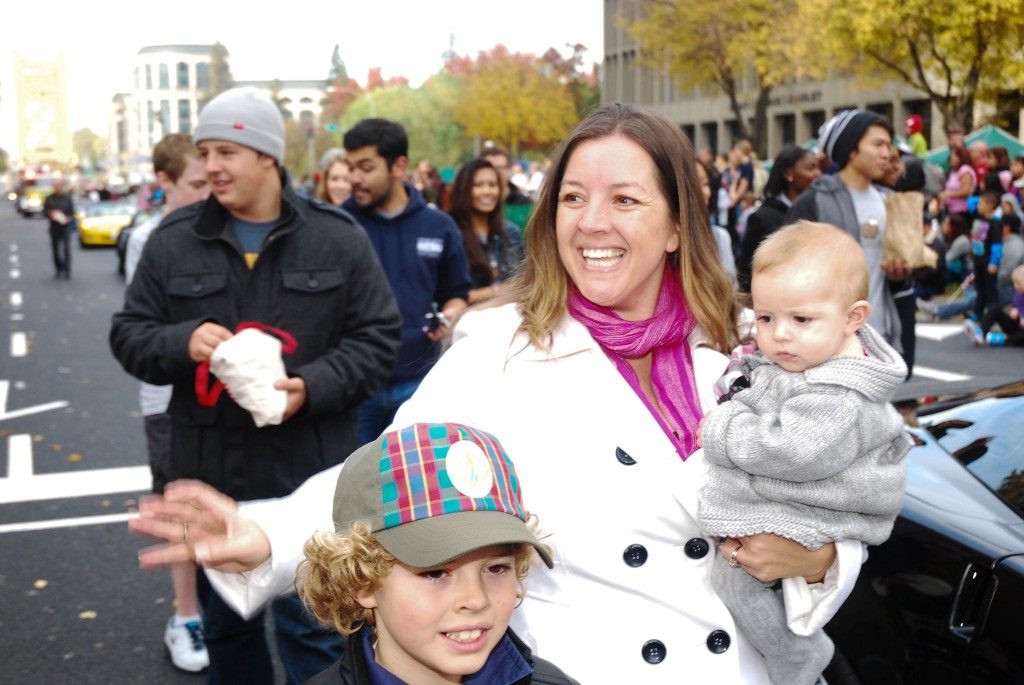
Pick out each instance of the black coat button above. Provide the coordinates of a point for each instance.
(623, 457)
(635, 555)
(719, 641)
(197, 287)
(313, 283)
(696, 548)
(654, 651)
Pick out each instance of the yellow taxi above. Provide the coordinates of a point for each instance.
(101, 223)
(31, 198)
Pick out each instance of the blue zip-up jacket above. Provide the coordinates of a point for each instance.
(423, 258)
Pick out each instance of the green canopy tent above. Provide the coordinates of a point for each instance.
(991, 135)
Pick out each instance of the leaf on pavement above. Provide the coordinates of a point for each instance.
(40, 584)
(88, 615)
(54, 447)
(75, 457)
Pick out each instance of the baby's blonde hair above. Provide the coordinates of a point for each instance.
(340, 568)
(832, 248)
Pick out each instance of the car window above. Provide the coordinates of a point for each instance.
(109, 210)
(987, 437)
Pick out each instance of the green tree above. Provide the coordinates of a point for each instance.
(88, 147)
(219, 73)
(959, 53)
(427, 113)
(511, 99)
(341, 92)
(582, 83)
(722, 43)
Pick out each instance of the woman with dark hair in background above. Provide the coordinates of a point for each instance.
(493, 245)
(793, 170)
(961, 181)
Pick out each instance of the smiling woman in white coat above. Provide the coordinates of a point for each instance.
(594, 370)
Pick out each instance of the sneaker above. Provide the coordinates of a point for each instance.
(929, 309)
(185, 643)
(973, 331)
(995, 339)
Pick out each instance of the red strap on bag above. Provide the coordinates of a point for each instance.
(208, 395)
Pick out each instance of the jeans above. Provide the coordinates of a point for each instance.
(948, 310)
(378, 412)
(238, 647)
(60, 244)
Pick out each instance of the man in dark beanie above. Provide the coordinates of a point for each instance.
(859, 144)
(258, 255)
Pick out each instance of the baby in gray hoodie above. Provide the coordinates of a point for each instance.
(811, 450)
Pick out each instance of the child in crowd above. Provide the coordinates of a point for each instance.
(811, 450)
(1011, 322)
(987, 249)
(426, 565)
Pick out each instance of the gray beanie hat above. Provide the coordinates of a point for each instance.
(244, 116)
(839, 136)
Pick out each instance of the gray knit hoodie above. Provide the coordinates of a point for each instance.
(816, 456)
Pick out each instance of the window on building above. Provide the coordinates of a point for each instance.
(689, 130)
(182, 75)
(165, 117)
(883, 108)
(709, 136)
(135, 78)
(165, 78)
(184, 116)
(151, 130)
(202, 76)
(813, 121)
(149, 77)
(785, 129)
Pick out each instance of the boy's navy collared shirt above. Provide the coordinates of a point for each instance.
(504, 666)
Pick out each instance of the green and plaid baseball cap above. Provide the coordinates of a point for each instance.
(433, 492)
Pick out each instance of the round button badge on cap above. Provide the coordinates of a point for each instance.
(696, 548)
(719, 641)
(635, 555)
(624, 457)
(654, 651)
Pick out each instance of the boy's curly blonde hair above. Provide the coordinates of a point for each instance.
(339, 568)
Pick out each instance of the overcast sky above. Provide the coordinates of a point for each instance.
(404, 37)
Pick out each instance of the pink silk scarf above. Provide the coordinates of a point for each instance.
(664, 334)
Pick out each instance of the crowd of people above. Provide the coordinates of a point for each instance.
(485, 376)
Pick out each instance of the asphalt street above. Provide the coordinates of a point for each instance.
(76, 607)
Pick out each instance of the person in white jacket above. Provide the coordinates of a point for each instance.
(594, 374)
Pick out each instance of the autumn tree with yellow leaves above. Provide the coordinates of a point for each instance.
(513, 100)
(727, 43)
(959, 52)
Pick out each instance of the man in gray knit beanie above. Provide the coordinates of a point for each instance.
(256, 255)
(859, 142)
(811, 450)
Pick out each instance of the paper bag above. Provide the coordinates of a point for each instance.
(248, 364)
(904, 230)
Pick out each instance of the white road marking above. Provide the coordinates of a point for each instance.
(939, 374)
(19, 457)
(5, 387)
(65, 523)
(15, 274)
(938, 331)
(16, 299)
(17, 316)
(49, 486)
(28, 411)
(19, 344)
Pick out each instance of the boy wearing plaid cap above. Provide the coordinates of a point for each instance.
(426, 565)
